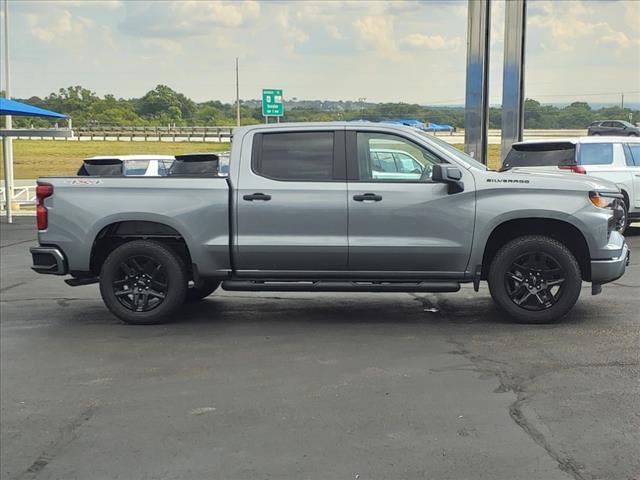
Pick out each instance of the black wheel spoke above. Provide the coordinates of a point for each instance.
(535, 281)
(142, 283)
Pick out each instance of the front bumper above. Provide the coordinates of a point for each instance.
(604, 271)
(48, 260)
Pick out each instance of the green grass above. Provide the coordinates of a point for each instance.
(39, 158)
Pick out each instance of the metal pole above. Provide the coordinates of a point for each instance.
(622, 101)
(7, 142)
(515, 20)
(476, 112)
(237, 95)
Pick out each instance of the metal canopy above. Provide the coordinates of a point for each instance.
(19, 109)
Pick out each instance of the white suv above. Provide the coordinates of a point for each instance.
(616, 159)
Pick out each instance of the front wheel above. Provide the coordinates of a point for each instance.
(535, 279)
(143, 282)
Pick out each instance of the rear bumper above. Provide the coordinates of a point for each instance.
(48, 260)
(604, 271)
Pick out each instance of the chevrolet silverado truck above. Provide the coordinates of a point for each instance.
(305, 207)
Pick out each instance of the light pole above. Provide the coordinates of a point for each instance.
(237, 95)
(7, 141)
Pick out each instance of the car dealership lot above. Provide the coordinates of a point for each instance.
(292, 385)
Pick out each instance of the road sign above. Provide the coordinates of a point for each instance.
(272, 103)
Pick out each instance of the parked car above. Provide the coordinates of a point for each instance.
(302, 211)
(395, 164)
(128, 165)
(616, 159)
(613, 127)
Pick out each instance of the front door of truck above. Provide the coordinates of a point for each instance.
(399, 220)
(292, 203)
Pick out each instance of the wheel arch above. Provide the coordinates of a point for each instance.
(564, 232)
(119, 232)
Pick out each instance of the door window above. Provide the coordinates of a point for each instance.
(302, 156)
(634, 149)
(390, 158)
(596, 154)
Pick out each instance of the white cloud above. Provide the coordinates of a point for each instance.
(431, 42)
(58, 26)
(376, 32)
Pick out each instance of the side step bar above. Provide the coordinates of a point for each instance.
(329, 286)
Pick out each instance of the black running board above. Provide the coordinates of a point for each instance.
(328, 286)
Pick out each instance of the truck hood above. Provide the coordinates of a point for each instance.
(523, 177)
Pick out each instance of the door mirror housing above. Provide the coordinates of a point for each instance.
(452, 176)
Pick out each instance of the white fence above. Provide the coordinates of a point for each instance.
(23, 196)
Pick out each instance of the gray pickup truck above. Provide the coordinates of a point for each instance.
(316, 207)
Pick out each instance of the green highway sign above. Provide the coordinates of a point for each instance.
(272, 103)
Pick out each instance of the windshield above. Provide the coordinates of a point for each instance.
(458, 154)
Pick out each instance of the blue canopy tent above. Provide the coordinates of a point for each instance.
(9, 108)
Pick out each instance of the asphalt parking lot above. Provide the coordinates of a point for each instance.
(302, 386)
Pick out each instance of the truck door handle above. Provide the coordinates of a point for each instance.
(257, 196)
(367, 197)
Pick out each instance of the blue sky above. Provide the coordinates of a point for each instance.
(409, 51)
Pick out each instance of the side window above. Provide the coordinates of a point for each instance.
(407, 164)
(607, 124)
(596, 154)
(383, 162)
(634, 149)
(302, 156)
(376, 162)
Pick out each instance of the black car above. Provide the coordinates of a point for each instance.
(614, 127)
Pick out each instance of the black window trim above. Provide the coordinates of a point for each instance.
(353, 170)
(339, 166)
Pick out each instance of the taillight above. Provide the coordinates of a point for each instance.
(43, 190)
(573, 168)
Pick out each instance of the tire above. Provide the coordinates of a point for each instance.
(544, 264)
(207, 288)
(623, 225)
(633, 134)
(154, 270)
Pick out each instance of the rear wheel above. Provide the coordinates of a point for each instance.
(535, 279)
(143, 282)
(206, 288)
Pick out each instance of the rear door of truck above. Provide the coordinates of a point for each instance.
(291, 202)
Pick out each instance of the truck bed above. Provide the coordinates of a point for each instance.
(196, 208)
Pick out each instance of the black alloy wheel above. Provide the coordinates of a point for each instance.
(141, 283)
(535, 281)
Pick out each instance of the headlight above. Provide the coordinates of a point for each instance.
(605, 199)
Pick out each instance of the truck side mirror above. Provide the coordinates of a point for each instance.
(452, 176)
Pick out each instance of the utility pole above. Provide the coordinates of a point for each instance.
(237, 95)
(622, 101)
(7, 141)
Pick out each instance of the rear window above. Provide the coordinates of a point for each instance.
(136, 167)
(540, 155)
(303, 156)
(596, 154)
